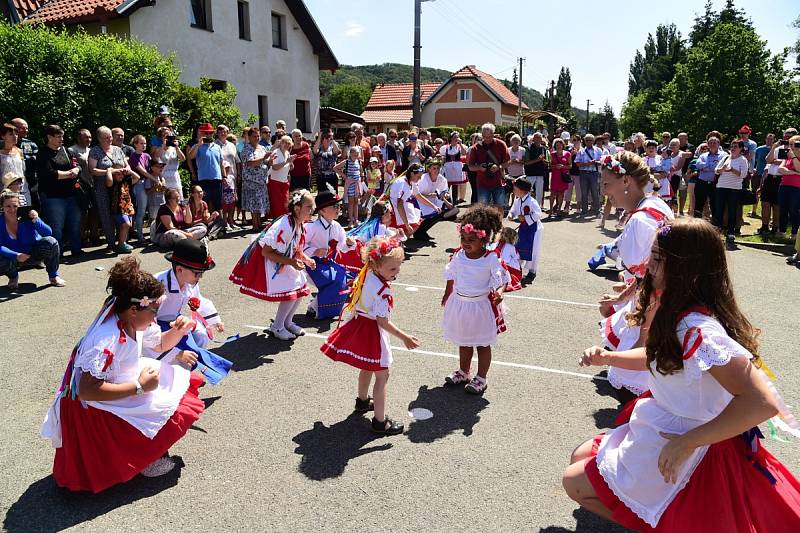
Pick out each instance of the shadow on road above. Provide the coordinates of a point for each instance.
(586, 522)
(453, 410)
(46, 507)
(604, 418)
(327, 450)
(611, 274)
(251, 351)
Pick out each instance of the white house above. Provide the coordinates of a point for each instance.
(271, 51)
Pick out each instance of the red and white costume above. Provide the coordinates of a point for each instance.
(103, 443)
(634, 245)
(432, 190)
(453, 168)
(734, 485)
(264, 279)
(470, 316)
(360, 342)
(509, 257)
(401, 191)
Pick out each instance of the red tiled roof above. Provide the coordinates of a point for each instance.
(398, 94)
(503, 92)
(381, 116)
(26, 7)
(68, 11)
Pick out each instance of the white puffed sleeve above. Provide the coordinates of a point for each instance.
(151, 337)
(636, 242)
(706, 344)
(382, 304)
(516, 210)
(97, 358)
(338, 234)
(277, 235)
(451, 269)
(500, 274)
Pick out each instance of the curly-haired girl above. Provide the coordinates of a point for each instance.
(117, 411)
(682, 457)
(273, 266)
(476, 280)
(363, 341)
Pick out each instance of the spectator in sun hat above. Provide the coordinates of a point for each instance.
(13, 183)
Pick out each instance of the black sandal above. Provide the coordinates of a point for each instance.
(792, 260)
(363, 406)
(387, 427)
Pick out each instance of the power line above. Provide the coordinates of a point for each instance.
(480, 28)
(477, 37)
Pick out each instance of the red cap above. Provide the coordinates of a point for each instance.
(206, 128)
(745, 129)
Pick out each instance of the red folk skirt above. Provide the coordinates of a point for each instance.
(351, 259)
(730, 489)
(516, 279)
(357, 342)
(278, 198)
(99, 449)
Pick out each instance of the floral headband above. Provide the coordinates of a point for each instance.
(469, 228)
(613, 165)
(296, 197)
(664, 229)
(146, 301)
(384, 249)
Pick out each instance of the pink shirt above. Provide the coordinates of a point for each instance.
(791, 180)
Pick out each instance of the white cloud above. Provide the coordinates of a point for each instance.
(354, 29)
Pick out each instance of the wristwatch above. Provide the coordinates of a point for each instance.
(139, 389)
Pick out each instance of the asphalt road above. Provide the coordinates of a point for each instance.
(278, 447)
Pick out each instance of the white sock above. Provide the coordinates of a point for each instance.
(283, 310)
(291, 311)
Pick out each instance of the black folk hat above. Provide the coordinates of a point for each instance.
(191, 254)
(326, 198)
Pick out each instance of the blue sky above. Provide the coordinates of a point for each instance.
(596, 40)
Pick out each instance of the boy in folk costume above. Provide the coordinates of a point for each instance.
(325, 238)
(526, 210)
(190, 260)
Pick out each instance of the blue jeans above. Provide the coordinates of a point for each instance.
(789, 202)
(727, 199)
(63, 214)
(590, 184)
(140, 200)
(492, 196)
(45, 249)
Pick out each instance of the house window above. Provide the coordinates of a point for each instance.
(244, 20)
(465, 95)
(217, 85)
(278, 31)
(263, 111)
(200, 14)
(302, 115)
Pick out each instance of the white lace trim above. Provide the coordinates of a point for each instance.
(715, 350)
(650, 517)
(619, 382)
(93, 361)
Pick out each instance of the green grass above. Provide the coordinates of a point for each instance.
(772, 239)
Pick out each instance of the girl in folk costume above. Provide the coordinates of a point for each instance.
(624, 178)
(363, 340)
(432, 186)
(526, 210)
(472, 299)
(506, 250)
(190, 260)
(689, 458)
(453, 155)
(404, 196)
(325, 240)
(350, 171)
(117, 413)
(272, 268)
(377, 225)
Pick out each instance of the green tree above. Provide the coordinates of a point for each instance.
(604, 121)
(350, 97)
(796, 47)
(709, 91)
(635, 114)
(193, 105)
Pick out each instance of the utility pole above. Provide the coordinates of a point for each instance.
(588, 102)
(416, 104)
(551, 105)
(519, 97)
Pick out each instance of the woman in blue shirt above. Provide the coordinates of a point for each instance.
(25, 241)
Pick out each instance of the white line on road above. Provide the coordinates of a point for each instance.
(518, 296)
(454, 356)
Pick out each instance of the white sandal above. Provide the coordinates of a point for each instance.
(159, 467)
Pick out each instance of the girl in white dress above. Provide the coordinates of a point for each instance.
(453, 170)
(472, 299)
(689, 458)
(118, 411)
(272, 267)
(363, 340)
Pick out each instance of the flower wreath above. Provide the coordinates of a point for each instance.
(613, 165)
(384, 249)
(664, 228)
(146, 301)
(469, 228)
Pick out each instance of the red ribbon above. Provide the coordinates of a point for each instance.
(109, 358)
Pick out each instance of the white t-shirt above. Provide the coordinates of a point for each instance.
(729, 180)
(230, 155)
(281, 174)
(402, 191)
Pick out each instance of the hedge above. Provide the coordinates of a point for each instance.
(76, 80)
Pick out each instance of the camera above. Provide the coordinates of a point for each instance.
(171, 140)
(24, 212)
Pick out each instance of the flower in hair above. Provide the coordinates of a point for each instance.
(613, 165)
(384, 249)
(664, 229)
(469, 228)
(146, 301)
(296, 197)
